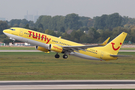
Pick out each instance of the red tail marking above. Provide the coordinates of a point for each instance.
(114, 47)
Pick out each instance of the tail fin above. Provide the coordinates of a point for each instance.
(114, 46)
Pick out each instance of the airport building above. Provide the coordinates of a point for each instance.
(2, 44)
(19, 44)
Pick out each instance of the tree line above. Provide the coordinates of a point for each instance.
(96, 29)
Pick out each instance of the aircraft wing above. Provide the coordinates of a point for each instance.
(77, 48)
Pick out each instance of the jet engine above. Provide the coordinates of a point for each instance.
(55, 48)
(42, 49)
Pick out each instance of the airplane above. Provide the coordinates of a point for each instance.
(46, 43)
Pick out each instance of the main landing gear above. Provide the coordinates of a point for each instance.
(64, 56)
(57, 55)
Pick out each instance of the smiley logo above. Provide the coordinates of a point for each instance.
(114, 47)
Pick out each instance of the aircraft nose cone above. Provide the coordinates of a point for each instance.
(5, 31)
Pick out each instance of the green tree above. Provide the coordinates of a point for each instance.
(31, 24)
(62, 29)
(66, 36)
(40, 26)
(56, 23)
(47, 31)
(59, 34)
(15, 22)
(84, 39)
(72, 21)
(23, 23)
(74, 36)
(50, 32)
(108, 21)
(84, 20)
(27, 26)
(44, 20)
(3, 25)
(84, 28)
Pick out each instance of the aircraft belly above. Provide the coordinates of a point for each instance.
(33, 42)
(14, 37)
(84, 56)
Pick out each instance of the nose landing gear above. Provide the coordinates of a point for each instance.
(13, 42)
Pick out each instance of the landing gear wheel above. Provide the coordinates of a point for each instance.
(57, 56)
(13, 42)
(65, 56)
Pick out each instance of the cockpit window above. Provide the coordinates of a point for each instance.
(12, 29)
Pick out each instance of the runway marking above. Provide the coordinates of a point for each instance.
(68, 84)
(38, 87)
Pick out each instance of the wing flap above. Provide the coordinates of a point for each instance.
(83, 47)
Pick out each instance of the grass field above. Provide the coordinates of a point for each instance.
(41, 66)
(127, 48)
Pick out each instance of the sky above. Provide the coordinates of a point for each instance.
(16, 9)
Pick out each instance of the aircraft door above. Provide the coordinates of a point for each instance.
(102, 54)
(22, 36)
(21, 32)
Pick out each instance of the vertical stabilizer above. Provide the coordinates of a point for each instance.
(114, 46)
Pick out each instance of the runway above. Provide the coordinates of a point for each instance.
(41, 51)
(67, 84)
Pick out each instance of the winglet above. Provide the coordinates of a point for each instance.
(59, 36)
(105, 42)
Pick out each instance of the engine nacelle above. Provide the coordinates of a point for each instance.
(42, 49)
(55, 48)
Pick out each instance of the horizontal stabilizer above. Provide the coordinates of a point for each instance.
(120, 55)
